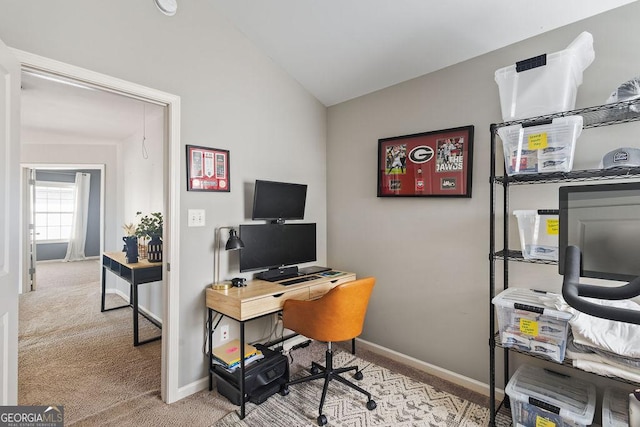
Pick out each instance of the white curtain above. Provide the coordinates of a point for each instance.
(75, 249)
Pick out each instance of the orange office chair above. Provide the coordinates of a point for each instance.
(336, 316)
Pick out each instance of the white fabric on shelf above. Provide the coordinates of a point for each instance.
(616, 337)
(603, 365)
(607, 370)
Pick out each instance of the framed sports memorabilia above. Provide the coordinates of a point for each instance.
(429, 164)
(207, 169)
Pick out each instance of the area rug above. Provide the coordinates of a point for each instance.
(400, 400)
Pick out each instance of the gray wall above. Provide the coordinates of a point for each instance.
(430, 255)
(53, 251)
(232, 97)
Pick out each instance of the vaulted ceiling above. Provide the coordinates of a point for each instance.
(336, 49)
(342, 49)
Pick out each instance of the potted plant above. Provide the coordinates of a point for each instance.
(150, 226)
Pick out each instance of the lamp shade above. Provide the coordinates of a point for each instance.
(234, 242)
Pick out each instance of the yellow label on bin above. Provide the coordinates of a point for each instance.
(543, 422)
(553, 226)
(537, 141)
(529, 327)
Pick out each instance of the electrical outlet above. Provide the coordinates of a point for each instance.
(224, 333)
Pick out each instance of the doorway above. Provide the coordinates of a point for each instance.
(169, 183)
(47, 215)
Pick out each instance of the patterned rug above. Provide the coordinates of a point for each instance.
(400, 400)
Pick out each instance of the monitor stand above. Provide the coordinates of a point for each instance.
(275, 274)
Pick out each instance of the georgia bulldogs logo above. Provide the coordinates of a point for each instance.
(421, 154)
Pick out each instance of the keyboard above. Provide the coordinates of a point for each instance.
(299, 280)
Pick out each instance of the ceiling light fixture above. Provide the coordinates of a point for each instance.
(168, 7)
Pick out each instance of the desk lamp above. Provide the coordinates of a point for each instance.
(233, 243)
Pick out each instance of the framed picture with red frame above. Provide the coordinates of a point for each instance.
(428, 164)
(207, 169)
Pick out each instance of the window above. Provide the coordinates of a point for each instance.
(54, 211)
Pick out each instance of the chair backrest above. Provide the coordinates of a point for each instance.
(336, 316)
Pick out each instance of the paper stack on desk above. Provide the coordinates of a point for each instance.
(228, 355)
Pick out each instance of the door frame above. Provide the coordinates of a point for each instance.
(171, 186)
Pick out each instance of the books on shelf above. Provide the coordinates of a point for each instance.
(228, 355)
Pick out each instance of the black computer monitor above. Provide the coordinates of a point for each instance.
(603, 221)
(278, 201)
(272, 246)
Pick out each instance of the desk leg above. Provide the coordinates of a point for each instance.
(104, 286)
(134, 303)
(242, 373)
(210, 347)
(104, 292)
(133, 297)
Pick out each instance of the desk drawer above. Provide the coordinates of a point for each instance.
(271, 303)
(316, 291)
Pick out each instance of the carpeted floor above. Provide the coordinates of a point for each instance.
(71, 354)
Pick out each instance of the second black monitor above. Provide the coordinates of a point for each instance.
(278, 201)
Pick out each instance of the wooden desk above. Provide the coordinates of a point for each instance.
(136, 274)
(260, 298)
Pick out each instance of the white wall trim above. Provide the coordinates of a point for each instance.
(445, 374)
(51, 261)
(192, 388)
(4, 359)
(171, 295)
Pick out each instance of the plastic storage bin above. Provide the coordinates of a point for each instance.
(538, 233)
(526, 323)
(544, 84)
(543, 148)
(540, 397)
(615, 408)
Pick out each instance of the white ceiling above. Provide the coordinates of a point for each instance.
(53, 108)
(342, 49)
(336, 49)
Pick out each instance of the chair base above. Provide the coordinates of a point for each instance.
(328, 373)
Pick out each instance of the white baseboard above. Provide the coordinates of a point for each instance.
(445, 374)
(48, 261)
(192, 388)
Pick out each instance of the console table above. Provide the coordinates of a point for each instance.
(136, 274)
(260, 298)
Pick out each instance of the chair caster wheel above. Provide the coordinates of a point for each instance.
(322, 420)
(371, 405)
(284, 391)
(314, 370)
(358, 375)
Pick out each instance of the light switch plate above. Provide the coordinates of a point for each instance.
(196, 218)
